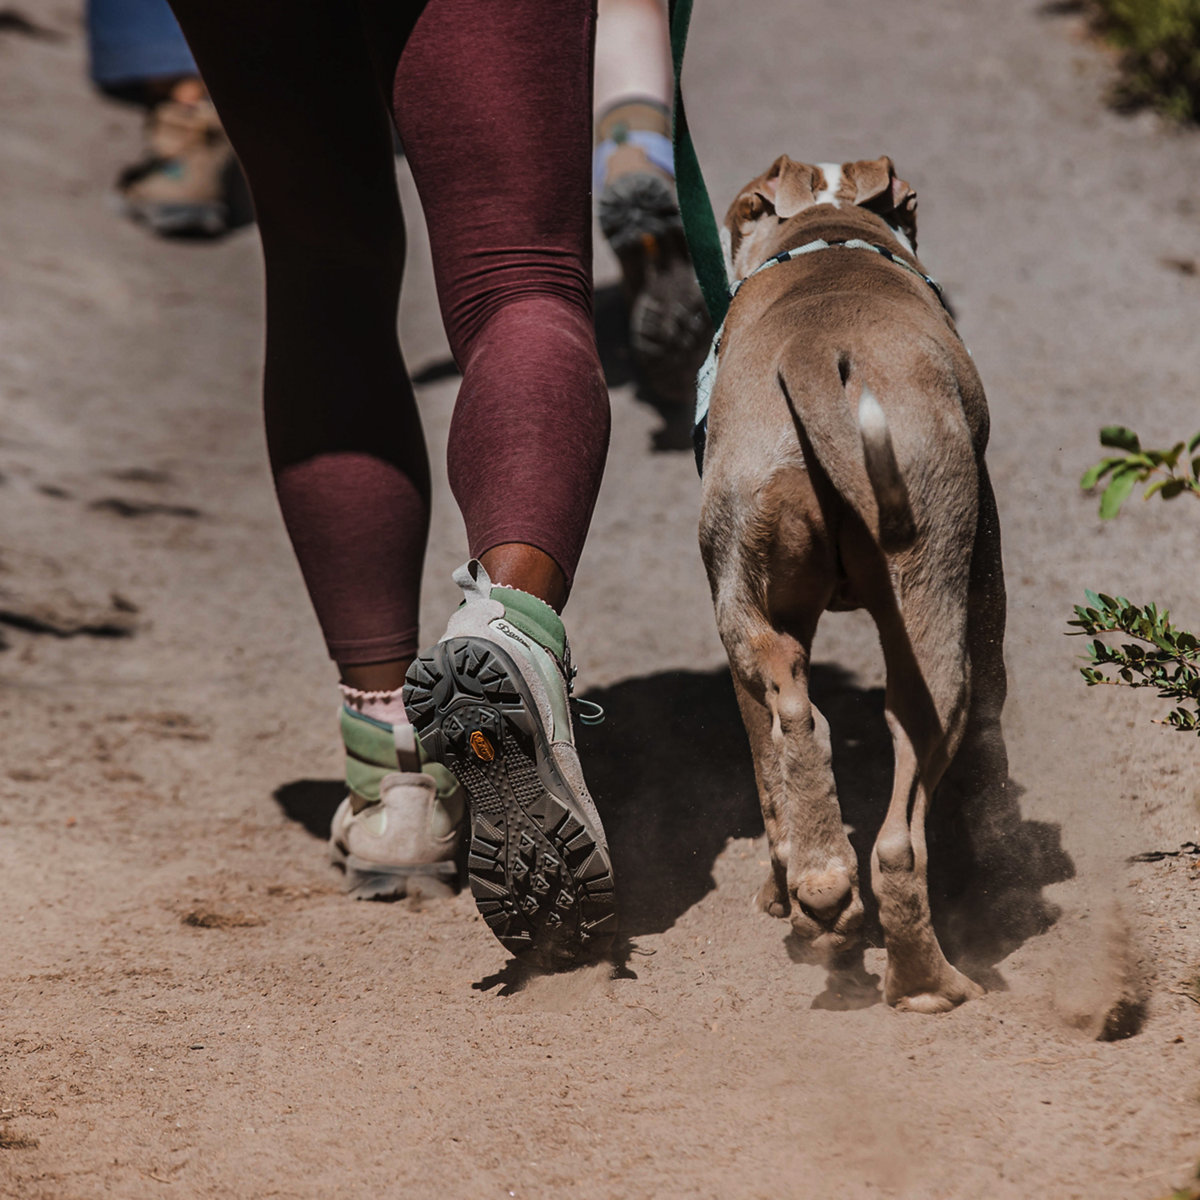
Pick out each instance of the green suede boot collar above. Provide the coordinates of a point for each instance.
(534, 618)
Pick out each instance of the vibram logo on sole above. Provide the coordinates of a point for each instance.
(482, 747)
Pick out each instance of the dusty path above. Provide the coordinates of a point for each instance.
(187, 1005)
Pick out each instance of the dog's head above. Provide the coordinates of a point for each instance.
(789, 188)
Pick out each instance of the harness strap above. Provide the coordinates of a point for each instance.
(708, 372)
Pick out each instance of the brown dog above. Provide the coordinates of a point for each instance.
(844, 469)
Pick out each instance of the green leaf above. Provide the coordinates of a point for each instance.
(1116, 494)
(1156, 486)
(1120, 438)
(1093, 475)
(1171, 457)
(1193, 442)
(1091, 597)
(1172, 487)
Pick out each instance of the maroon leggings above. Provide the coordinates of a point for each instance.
(493, 104)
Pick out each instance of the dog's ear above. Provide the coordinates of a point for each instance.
(794, 186)
(875, 185)
(783, 191)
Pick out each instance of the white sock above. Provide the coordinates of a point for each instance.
(387, 707)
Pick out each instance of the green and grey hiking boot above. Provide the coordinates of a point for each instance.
(398, 831)
(490, 701)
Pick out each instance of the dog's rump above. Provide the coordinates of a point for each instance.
(873, 485)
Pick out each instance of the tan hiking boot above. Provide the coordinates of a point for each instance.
(399, 830)
(185, 184)
(491, 701)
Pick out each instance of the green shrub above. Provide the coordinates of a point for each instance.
(1161, 656)
(1160, 45)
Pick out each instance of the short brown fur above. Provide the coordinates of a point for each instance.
(808, 506)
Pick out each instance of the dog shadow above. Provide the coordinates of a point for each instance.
(671, 771)
(672, 774)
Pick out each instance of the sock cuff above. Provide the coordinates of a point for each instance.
(630, 113)
(655, 146)
(384, 706)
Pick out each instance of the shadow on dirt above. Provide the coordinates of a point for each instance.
(988, 866)
(670, 769)
(311, 803)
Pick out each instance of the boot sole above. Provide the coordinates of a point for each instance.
(366, 880)
(541, 878)
(177, 220)
(669, 326)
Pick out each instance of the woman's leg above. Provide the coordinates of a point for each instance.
(634, 177)
(297, 88)
(493, 104)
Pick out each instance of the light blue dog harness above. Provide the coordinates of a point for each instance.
(708, 372)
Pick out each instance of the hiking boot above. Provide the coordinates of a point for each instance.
(490, 701)
(399, 830)
(186, 183)
(669, 326)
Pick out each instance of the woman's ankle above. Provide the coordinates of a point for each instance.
(385, 706)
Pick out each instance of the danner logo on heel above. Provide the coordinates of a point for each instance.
(508, 631)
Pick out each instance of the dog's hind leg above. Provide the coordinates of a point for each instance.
(979, 772)
(814, 876)
(773, 573)
(772, 897)
(928, 690)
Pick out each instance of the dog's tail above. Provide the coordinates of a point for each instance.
(893, 524)
(896, 528)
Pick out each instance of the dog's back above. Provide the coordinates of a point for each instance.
(844, 468)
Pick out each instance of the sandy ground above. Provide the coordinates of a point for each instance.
(189, 1006)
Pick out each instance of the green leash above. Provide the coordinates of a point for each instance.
(699, 225)
(695, 208)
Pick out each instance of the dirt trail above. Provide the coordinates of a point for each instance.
(188, 1007)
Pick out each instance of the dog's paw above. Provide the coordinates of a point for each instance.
(950, 989)
(771, 899)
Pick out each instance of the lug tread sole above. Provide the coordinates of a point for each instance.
(540, 880)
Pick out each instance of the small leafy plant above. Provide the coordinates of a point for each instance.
(1160, 656)
(1159, 41)
(1174, 471)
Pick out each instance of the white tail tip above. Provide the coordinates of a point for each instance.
(871, 420)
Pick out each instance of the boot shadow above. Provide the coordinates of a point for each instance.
(311, 803)
(671, 773)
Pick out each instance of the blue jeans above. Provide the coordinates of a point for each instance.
(134, 40)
